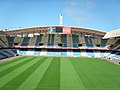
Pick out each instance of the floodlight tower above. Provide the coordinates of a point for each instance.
(61, 20)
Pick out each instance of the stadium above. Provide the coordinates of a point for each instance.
(59, 58)
(60, 41)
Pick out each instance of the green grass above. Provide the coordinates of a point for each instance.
(59, 73)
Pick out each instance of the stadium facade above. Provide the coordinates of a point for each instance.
(60, 41)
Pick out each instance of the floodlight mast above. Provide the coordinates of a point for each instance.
(61, 20)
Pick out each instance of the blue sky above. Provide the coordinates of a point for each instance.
(95, 14)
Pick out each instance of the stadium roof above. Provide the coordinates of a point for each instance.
(112, 34)
(44, 29)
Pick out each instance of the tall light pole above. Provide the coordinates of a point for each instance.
(61, 20)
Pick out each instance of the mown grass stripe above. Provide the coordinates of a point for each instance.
(3, 73)
(82, 67)
(12, 64)
(11, 61)
(109, 78)
(51, 78)
(34, 78)
(17, 81)
(69, 78)
(5, 79)
(96, 75)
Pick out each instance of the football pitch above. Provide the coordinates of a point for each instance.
(58, 73)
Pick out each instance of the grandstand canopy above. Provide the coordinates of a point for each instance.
(112, 34)
(59, 29)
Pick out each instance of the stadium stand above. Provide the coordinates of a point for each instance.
(103, 42)
(50, 40)
(5, 53)
(76, 53)
(37, 52)
(79, 43)
(10, 41)
(75, 40)
(4, 39)
(116, 45)
(64, 40)
(31, 41)
(25, 41)
(88, 41)
(2, 44)
(38, 40)
(45, 39)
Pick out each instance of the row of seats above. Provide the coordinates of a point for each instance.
(6, 53)
(2, 44)
(60, 40)
(113, 55)
(57, 39)
(116, 45)
(52, 52)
